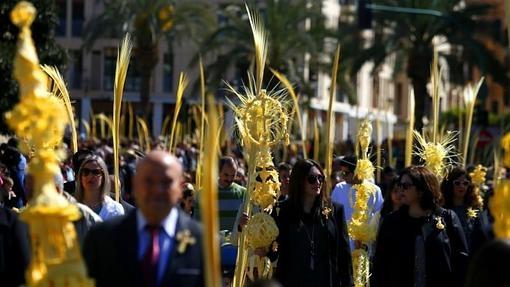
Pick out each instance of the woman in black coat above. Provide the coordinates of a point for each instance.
(421, 244)
(313, 245)
(459, 195)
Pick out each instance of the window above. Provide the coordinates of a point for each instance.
(495, 107)
(76, 67)
(133, 78)
(399, 99)
(240, 75)
(110, 56)
(506, 96)
(95, 75)
(62, 18)
(375, 91)
(78, 18)
(340, 95)
(168, 72)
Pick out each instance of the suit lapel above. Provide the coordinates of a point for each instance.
(175, 259)
(127, 240)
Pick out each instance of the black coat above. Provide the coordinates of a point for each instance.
(446, 252)
(14, 249)
(110, 252)
(476, 229)
(482, 233)
(334, 255)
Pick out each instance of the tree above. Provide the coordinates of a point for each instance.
(232, 43)
(407, 39)
(43, 33)
(150, 21)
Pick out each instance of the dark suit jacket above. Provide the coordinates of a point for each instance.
(70, 187)
(14, 249)
(127, 206)
(110, 252)
(446, 251)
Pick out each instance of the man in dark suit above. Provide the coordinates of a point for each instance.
(156, 245)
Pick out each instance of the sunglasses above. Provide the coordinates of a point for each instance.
(459, 183)
(405, 185)
(95, 172)
(312, 179)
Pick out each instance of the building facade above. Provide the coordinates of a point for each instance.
(90, 74)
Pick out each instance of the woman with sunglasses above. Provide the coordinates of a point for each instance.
(313, 245)
(93, 188)
(459, 195)
(421, 244)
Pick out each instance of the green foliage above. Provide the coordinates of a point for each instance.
(231, 45)
(405, 40)
(451, 117)
(43, 33)
(502, 120)
(150, 21)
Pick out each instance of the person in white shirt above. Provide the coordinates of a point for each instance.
(344, 194)
(93, 186)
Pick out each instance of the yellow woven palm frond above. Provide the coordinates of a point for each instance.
(248, 95)
(104, 121)
(202, 127)
(183, 83)
(330, 133)
(123, 57)
(209, 204)
(143, 134)
(261, 118)
(63, 94)
(435, 81)
(242, 132)
(364, 137)
(438, 156)
(273, 129)
(286, 83)
(470, 93)
(409, 132)
(260, 40)
(499, 205)
(249, 111)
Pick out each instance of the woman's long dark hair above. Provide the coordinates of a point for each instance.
(427, 185)
(297, 181)
(388, 203)
(471, 200)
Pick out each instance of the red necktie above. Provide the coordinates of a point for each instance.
(151, 257)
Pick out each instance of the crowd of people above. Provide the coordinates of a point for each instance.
(431, 231)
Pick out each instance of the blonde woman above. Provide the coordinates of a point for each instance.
(93, 188)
